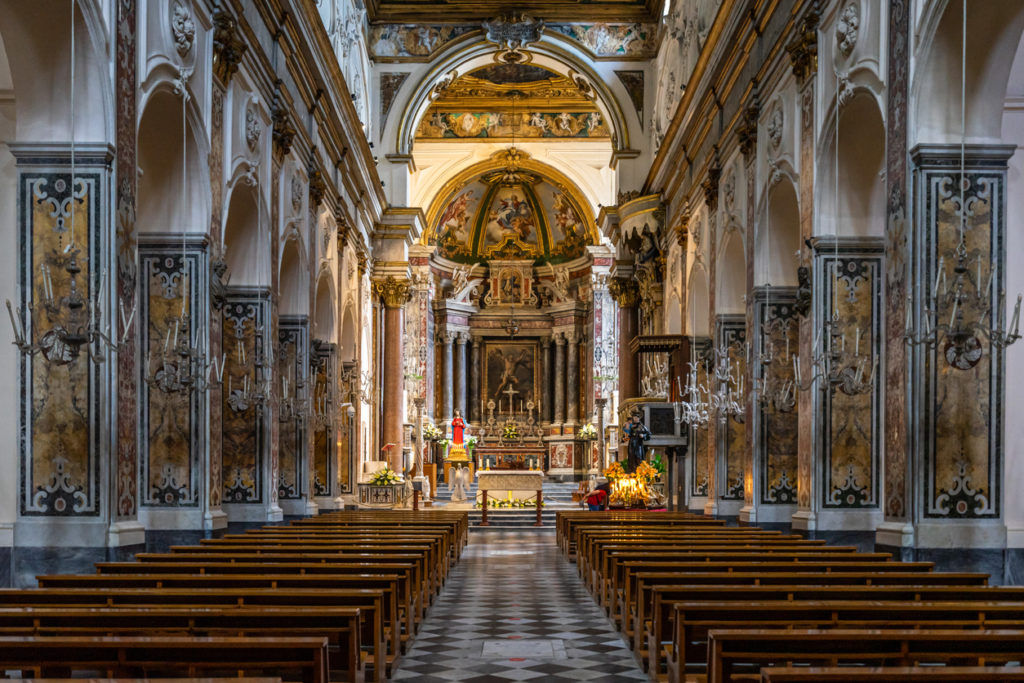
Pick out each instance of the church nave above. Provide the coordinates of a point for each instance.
(514, 610)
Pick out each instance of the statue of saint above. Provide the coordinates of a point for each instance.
(458, 427)
(636, 433)
(457, 448)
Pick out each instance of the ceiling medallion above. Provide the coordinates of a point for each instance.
(510, 173)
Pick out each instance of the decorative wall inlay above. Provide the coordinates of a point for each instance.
(847, 28)
(170, 459)
(612, 39)
(850, 434)
(962, 403)
(455, 124)
(243, 448)
(732, 334)
(699, 437)
(291, 360)
(633, 82)
(390, 84)
(897, 449)
(777, 428)
(323, 466)
(126, 496)
(59, 439)
(183, 29)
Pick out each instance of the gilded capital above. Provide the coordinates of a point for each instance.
(625, 292)
(394, 291)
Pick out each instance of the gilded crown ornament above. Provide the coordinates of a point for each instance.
(394, 291)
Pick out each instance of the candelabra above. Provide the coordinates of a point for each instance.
(256, 376)
(837, 369)
(773, 392)
(962, 347)
(696, 411)
(180, 366)
(655, 380)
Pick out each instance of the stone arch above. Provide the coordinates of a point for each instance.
(731, 273)
(778, 236)
(170, 201)
(246, 247)
(349, 335)
(293, 279)
(698, 303)
(323, 315)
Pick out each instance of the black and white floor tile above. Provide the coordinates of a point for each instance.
(514, 609)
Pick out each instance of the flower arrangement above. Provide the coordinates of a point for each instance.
(432, 433)
(470, 444)
(510, 433)
(646, 473)
(615, 472)
(510, 503)
(385, 477)
(587, 432)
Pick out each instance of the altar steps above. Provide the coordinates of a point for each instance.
(520, 520)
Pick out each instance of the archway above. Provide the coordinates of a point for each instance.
(246, 247)
(778, 237)
(732, 275)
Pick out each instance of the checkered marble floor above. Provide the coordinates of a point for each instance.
(514, 609)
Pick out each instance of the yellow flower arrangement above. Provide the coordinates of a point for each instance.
(646, 472)
(615, 472)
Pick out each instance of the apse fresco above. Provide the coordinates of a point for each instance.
(61, 476)
(964, 473)
(532, 219)
(851, 426)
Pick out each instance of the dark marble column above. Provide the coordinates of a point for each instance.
(573, 380)
(559, 416)
(461, 378)
(394, 292)
(447, 375)
(475, 414)
(547, 381)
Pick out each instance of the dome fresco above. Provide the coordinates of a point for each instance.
(527, 216)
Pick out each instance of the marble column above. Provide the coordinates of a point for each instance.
(447, 376)
(394, 293)
(547, 403)
(475, 416)
(573, 384)
(559, 416)
(626, 295)
(461, 373)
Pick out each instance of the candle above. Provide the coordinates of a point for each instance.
(1015, 325)
(939, 276)
(787, 344)
(14, 326)
(952, 316)
(856, 348)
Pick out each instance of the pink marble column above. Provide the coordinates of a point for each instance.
(394, 293)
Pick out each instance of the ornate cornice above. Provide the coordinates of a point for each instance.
(625, 292)
(803, 49)
(228, 47)
(393, 291)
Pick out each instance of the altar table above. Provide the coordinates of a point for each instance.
(516, 484)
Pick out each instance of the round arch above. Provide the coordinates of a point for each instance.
(778, 235)
(323, 315)
(292, 279)
(246, 248)
(698, 302)
(731, 273)
(462, 57)
(349, 335)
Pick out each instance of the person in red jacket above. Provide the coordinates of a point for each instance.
(597, 499)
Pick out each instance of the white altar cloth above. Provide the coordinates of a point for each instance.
(515, 484)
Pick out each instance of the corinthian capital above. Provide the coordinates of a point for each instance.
(626, 292)
(394, 291)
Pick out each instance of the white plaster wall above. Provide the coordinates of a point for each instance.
(1013, 429)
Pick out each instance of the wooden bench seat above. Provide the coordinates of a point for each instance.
(693, 620)
(730, 649)
(890, 674)
(379, 632)
(292, 659)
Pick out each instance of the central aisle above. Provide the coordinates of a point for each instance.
(515, 610)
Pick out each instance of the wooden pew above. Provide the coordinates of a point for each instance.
(340, 625)
(890, 674)
(693, 620)
(400, 584)
(729, 649)
(660, 605)
(378, 626)
(291, 658)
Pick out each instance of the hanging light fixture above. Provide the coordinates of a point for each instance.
(181, 367)
(962, 337)
(76, 320)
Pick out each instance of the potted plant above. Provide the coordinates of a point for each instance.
(587, 432)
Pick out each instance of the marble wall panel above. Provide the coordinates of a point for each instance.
(243, 445)
(851, 421)
(732, 334)
(700, 436)
(291, 359)
(61, 468)
(322, 371)
(776, 444)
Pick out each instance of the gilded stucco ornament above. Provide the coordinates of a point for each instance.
(393, 291)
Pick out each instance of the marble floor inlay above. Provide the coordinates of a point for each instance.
(514, 609)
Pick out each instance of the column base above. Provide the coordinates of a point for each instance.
(6, 534)
(711, 508)
(895, 534)
(961, 534)
(748, 514)
(130, 532)
(311, 509)
(275, 513)
(215, 520)
(804, 520)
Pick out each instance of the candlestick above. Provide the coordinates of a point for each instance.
(1015, 324)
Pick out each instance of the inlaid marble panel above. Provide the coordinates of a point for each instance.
(291, 360)
(850, 432)
(733, 335)
(243, 444)
(60, 471)
(776, 444)
(323, 469)
(700, 436)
